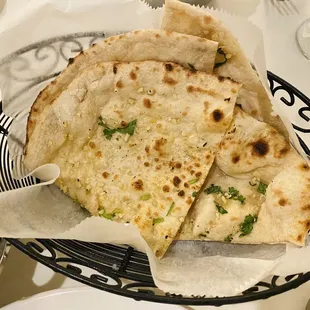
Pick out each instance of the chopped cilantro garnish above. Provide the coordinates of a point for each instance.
(222, 53)
(232, 192)
(108, 132)
(170, 208)
(158, 220)
(194, 194)
(220, 208)
(229, 238)
(241, 199)
(145, 197)
(262, 188)
(247, 226)
(235, 195)
(192, 181)
(213, 189)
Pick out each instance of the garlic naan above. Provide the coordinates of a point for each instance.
(134, 140)
(137, 45)
(184, 18)
(236, 205)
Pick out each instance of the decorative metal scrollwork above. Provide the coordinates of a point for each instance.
(290, 96)
(125, 271)
(42, 61)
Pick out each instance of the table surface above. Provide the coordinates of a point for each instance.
(23, 277)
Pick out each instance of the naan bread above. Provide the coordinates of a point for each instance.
(138, 45)
(205, 222)
(253, 149)
(184, 18)
(135, 140)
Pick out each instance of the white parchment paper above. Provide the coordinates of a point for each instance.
(42, 211)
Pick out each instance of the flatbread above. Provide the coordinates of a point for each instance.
(283, 213)
(138, 45)
(252, 148)
(253, 152)
(144, 174)
(184, 18)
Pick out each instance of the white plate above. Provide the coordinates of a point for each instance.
(84, 298)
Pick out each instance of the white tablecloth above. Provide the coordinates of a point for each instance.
(282, 54)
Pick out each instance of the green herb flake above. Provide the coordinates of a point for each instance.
(194, 194)
(145, 197)
(158, 220)
(213, 189)
(170, 209)
(193, 181)
(109, 216)
(229, 238)
(247, 226)
(235, 195)
(222, 53)
(241, 199)
(101, 212)
(117, 211)
(233, 192)
(262, 188)
(220, 208)
(108, 132)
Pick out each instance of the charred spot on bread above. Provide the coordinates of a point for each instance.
(283, 201)
(169, 80)
(181, 193)
(138, 185)
(176, 181)
(166, 188)
(260, 148)
(304, 167)
(235, 158)
(169, 67)
(119, 84)
(133, 75)
(217, 115)
(147, 103)
(115, 68)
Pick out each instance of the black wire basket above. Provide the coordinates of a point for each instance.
(113, 268)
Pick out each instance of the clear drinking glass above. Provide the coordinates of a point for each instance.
(303, 38)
